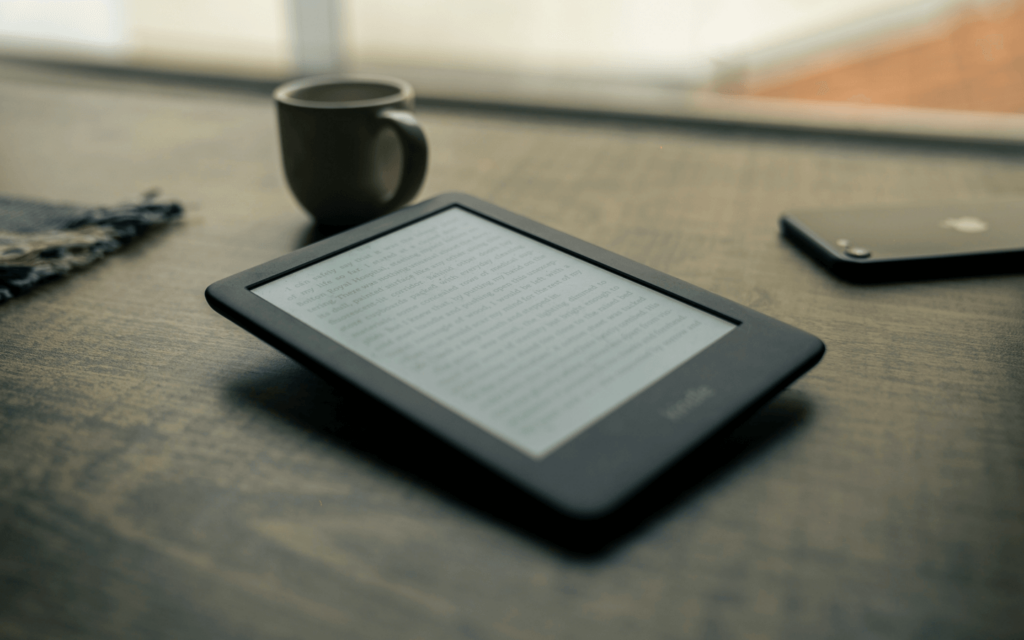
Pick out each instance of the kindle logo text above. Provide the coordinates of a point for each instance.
(690, 401)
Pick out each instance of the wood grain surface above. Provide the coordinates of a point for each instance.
(164, 474)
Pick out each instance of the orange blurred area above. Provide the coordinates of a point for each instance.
(974, 62)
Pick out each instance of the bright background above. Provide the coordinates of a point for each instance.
(680, 41)
(780, 48)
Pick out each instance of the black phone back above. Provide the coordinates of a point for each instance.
(947, 240)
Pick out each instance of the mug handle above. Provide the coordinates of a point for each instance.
(414, 154)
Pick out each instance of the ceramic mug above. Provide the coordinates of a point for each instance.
(351, 147)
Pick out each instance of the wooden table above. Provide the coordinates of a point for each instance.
(165, 474)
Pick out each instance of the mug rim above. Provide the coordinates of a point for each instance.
(283, 93)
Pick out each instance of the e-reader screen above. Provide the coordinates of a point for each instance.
(528, 342)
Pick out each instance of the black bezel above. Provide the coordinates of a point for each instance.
(599, 468)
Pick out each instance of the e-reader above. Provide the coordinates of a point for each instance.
(573, 372)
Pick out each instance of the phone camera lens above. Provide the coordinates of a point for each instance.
(857, 252)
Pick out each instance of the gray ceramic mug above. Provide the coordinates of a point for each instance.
(352, 149)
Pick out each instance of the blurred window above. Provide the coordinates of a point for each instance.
(961, 54)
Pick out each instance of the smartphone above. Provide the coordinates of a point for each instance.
(912, 242)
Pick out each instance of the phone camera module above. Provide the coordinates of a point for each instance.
(857, 252)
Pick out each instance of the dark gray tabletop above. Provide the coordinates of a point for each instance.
(165, 474)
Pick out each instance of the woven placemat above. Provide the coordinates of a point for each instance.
(40, 240)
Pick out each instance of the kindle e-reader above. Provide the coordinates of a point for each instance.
(574, 372)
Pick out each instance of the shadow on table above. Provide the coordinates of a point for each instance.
(360, 424)
(316, 233)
